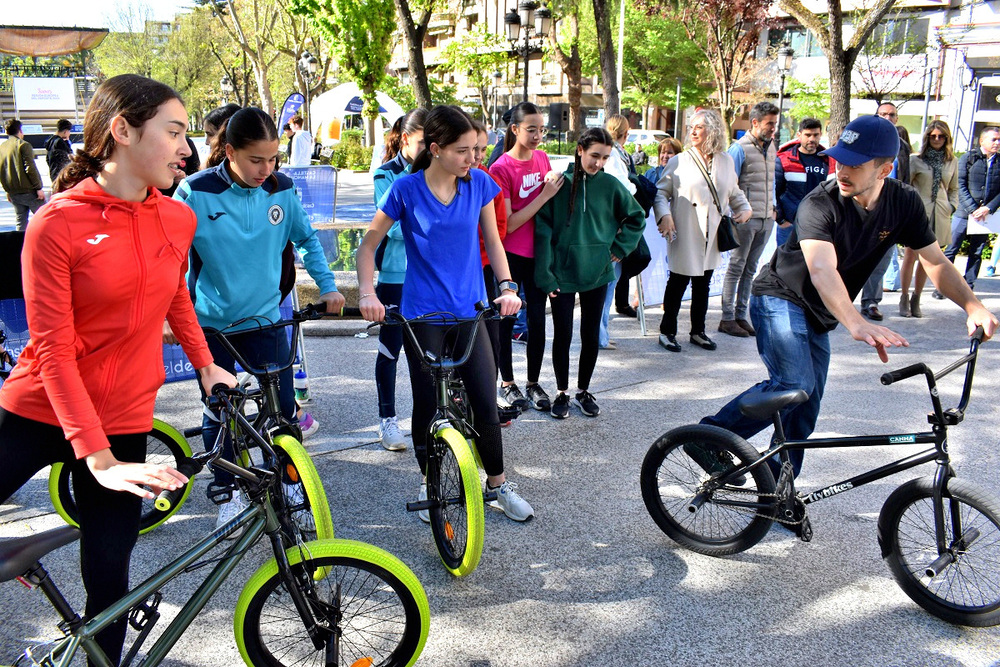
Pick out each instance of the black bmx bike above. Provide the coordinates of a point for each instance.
(712, 492)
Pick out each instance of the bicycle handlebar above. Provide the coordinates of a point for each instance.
(394, 318)
(903, 373)
(311, 311)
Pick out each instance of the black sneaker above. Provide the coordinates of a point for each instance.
(587, 404)
(560, 409)
(538, 398)
(511, 393)
(704, 342)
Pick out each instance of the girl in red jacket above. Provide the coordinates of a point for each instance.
(103, 265)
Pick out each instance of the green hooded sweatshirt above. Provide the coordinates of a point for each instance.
(574, 254)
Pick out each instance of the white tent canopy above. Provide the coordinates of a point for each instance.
(329, 110)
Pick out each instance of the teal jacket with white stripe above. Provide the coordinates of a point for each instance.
(235, 266)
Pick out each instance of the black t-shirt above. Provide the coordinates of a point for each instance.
(860, 242)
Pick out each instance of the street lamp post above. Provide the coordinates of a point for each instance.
(785, 55)
(307, 64)
(533, 24)
(226, 88)
(497, 75)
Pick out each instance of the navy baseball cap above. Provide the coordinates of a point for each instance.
(865, 138)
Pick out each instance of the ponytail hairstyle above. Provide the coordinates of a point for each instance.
(618, 126)
(136, 99)
(247, 126)
(589, 137)
(444, 125)
(407, 124)
(516, 118)
(217, 121)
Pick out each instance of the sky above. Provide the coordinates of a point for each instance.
(90, 13)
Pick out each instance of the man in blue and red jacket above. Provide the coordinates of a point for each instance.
(798, 170)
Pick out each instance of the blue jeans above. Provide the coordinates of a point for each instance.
(796, 357)
(603, 337)
(258, 348)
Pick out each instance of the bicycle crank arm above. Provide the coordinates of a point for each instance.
(948, 557)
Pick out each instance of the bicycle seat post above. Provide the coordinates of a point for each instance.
(269, 387)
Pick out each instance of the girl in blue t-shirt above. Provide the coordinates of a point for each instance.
(441, 208)
(402, 146)
(247, 214)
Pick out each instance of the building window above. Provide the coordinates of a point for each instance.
(802, 41)
(898, 36)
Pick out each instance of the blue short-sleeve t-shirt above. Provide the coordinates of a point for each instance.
(444, 271)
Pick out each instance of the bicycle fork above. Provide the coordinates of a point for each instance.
(948, 553)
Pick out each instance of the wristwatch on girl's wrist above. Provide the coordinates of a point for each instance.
(508, 285)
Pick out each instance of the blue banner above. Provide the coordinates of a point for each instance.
(317, 186)
(290, 108)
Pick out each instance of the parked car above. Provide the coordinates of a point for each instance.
(646, 137)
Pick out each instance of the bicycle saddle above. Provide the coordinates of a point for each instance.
(764, 404)
(18, 554)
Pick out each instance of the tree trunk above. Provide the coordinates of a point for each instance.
(840, 94)
(574, 93)
(606, 52)
(414, 34)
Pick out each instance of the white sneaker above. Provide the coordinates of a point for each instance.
(425, 515)
(295, 496)
(229, 510)
(513, 505)
(391, 436)
(308, 424)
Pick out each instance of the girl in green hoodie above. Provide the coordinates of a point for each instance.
(579, 233)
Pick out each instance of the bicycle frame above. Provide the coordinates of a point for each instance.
(259, 518)
(938, 437)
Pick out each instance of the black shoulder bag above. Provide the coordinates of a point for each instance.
(726, 236)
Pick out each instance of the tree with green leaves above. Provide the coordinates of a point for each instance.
(478, 53)
(811, 99)
(727, 33)
(130, 47)
(360, 32)
(414, 17)
(828, 29)
(657, 52)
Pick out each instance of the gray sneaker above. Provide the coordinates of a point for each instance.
(229, 511)
(391, 436)
(512, 504)
(511, 393)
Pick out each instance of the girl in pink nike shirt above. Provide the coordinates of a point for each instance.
(527, 181)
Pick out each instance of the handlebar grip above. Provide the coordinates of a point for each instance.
(320, 308)
(167, 499)
(903, 373)
(978, 334)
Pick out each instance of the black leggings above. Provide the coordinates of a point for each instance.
(109, 520)
(493, 325)
(390, 341)
(479, 377)
(591, 308)
(522, 271)
(672, 295)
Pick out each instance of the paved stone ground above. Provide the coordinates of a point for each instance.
(592, 581)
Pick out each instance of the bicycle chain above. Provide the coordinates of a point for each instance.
(787, 522)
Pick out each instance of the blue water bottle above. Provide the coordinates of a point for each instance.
(301, 383)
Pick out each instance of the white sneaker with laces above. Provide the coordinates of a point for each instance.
(229, 510)
(308, 424)
(391, 436)
(295, 495)
(512, 504)
(425, 515)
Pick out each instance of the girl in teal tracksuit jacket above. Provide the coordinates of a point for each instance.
(578, 234)
(247, 213)
(403, 144)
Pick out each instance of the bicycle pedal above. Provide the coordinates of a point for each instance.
(420, 505)
(489, 496)
(804, 530)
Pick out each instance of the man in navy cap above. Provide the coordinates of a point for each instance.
(842, 229)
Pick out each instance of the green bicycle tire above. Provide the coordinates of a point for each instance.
(60, 489)
(471, 497)
(311, 483)
(349, 562)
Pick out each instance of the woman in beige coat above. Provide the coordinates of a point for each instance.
(688, 218)
(934, 173)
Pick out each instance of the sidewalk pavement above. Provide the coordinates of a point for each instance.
(592, 580)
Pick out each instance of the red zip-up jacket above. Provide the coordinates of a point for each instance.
(100, 274)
